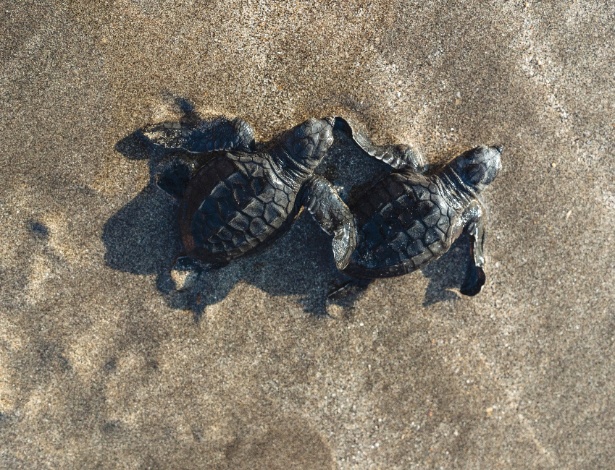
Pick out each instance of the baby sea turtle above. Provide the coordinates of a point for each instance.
(238, 196)
(413, 215)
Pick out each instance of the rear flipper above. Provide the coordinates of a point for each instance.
(334, 217)
(196, 137)
(219, 134)
(400, 157)
(174, 178)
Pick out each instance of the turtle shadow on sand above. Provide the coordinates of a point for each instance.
(447, 274)
(143, 238)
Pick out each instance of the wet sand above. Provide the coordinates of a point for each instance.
(99, 369)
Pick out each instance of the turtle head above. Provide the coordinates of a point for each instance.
(308, 142)
(478, 167)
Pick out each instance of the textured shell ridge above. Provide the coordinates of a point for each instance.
(403, 222)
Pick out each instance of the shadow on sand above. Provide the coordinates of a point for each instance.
(143, 238)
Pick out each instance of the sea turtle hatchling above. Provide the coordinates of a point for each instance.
(237, 196)
(413, 215)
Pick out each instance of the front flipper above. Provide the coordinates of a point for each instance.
(399, 157)
(334, 217)
(475, 276)
(220, 134)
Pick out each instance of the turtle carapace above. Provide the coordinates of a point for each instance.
(413, 215)
(237, 195)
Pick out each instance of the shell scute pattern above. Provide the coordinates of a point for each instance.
(402, 232)
(281, 199)
(396, 189)
(444, 223)
(225, 234)
(251, 167)
(266, 195)
(400, 241)
(431, 236)
(422, 257)
(399, 222)
(271, 213)
(257, 227)
(230, 219)
(234, 194)
(253, 209)
(432, 216)
(239, 222)
(257, 186)
(421, 193)
(416, 230)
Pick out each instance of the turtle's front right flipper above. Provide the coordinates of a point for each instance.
(334, 217)
(399, 157)
(203, 136)
(475, 275)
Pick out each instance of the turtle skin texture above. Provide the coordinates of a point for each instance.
(409, 218)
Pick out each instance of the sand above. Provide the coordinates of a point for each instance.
(98, 369)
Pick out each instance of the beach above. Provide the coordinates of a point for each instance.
(99, 368)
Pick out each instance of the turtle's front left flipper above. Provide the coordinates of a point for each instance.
(475, 276)
(334, 217)
(399, 157)
(220, 134)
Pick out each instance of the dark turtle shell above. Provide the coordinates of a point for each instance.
(403, 223)
(409, 218)
(234, 204)
(237, 196)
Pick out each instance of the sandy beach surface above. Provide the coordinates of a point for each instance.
(100, 368)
